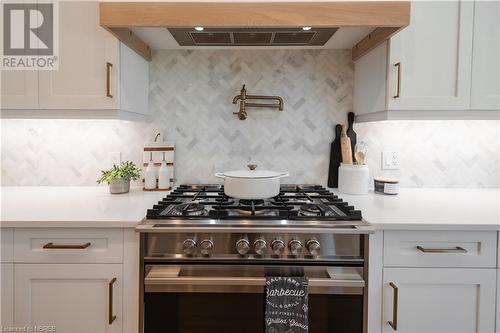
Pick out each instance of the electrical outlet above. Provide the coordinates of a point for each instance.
(115, 157)
(390, 160)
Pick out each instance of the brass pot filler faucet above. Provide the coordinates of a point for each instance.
(242, 97)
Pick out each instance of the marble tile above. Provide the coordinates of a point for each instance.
(190, 102)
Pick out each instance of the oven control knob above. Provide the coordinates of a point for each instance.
(242, 246)
(295, 247)
(278, 246)
(206, 247)
(259, 246)
(313, 247)
(189, 246)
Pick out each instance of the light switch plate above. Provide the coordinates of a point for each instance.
(390, 160)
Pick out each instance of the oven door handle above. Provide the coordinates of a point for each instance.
(246, 281)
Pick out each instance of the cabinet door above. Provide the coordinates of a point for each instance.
(85, 48)
(498, 302)
(7, 302)
(71, 297)
(485, 90)
(439, 300)
(434, 55)
(19, 90)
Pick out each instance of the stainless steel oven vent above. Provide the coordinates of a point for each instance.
(252, 37)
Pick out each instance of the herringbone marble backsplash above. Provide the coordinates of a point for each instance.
(190, 102)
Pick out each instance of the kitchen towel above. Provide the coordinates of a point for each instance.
(286, 304)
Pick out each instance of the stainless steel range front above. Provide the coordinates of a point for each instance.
(205, 258)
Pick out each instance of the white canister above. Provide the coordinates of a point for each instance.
(353, 179)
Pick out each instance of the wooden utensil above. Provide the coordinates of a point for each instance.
(350, 131)
(345, 145)
(360, 152)
(335, 159)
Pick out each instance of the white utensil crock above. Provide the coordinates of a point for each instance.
(353, 179)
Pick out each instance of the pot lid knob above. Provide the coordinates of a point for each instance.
(252, 166)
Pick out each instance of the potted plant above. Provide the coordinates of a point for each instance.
(118, 177)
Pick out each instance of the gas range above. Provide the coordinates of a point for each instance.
(199, 245)
(297, 207)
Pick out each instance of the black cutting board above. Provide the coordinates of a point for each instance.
(350, 131)
(335, 159)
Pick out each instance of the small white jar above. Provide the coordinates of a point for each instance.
(353, 179)
(150, 176)
(163, 179)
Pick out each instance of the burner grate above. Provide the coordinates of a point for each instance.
(294, 202)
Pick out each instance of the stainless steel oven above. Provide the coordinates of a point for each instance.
(221, 290)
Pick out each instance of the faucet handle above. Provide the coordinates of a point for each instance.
(243, 93)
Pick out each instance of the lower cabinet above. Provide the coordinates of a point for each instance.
(71, 297)
(441, 300)
(7, 295)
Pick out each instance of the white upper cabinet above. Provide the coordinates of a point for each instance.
(485, 91)
(96, 72)
(19, 89)
(434, 57)
(85, 49)
(443, 65)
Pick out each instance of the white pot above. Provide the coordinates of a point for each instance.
(252, 184)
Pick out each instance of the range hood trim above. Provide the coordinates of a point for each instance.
(386, 17)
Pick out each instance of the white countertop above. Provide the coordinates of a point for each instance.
(78, 206)
(93, 206)
(430, 209)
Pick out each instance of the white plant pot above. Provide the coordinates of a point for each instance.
(117, 186)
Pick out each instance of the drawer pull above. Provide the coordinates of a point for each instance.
(66, 246)
(111, 317)
(456, 249)
(394, 322)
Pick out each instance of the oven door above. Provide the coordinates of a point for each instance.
(230, 298)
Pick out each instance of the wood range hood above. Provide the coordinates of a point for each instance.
(383, 18)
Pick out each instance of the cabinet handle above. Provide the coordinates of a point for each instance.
(456, 249)
(66, 246)
(111, 317)
(398, 89)
(394, 322)
(109, 66)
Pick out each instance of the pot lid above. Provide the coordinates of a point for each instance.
(253, 174)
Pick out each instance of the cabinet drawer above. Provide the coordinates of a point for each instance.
(7, 242)
(56, 245)
(439, 249)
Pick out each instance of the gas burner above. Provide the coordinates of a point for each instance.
(248, 211)
(310, 210)
(247, 202)
(189, 209)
